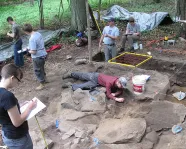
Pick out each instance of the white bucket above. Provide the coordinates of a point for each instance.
(138, 84)
(135, 45)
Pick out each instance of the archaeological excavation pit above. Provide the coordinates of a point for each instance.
(130, 59)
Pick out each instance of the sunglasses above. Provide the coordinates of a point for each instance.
(17, 79)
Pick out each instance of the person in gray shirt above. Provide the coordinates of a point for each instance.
(132, 34)
(17, 42)
(109, 36)
(38, 54)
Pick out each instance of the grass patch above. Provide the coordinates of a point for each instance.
(24, 13)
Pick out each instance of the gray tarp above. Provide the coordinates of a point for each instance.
(146, 21)
(6, 50)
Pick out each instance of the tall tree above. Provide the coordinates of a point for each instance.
(78, 15)
(41, 15)
(181, 12)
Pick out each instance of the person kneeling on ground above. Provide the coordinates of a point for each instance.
(98, 79)
(132, 34)
(81, 41)
(15, 132)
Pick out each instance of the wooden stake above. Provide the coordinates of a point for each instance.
(89, 33)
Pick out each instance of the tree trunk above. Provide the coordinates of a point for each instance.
(89, 34)
(41, 15)
(181, 12)
(99, 10)
(78, 15)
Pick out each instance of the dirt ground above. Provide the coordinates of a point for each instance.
(57, 64)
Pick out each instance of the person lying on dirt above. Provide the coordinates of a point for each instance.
(81, 41)
(15, 132)
(132, 34)
(98, 79)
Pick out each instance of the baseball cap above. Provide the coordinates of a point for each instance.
(111, 20)
(80, 34)
(123, 82)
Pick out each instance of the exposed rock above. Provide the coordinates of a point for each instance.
(152, 136)
(38, 141)
(68, 134)
(165, 114)
(67, 145)
(67, 101)
(80, 61)
(80, 134)
(171, 141)
(68, 57)
(44, 121)
(73, 115)
(121, 130)
(91, 128)
(52, 108)
(76, 140)
(75, 146)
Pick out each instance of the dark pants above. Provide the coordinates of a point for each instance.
(91, 78)
(39, 68)
(18, 57)
(131, 39)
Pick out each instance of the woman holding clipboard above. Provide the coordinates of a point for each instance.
(15, 132)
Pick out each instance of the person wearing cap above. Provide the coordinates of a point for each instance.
(114, 85)
(81, 41)
(132, 34)
(109, 36)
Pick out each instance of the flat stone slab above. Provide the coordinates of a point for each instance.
(171, 141)
(120, 131)
(164, 114)
(38, 141)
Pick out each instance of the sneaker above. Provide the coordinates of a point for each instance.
(67, 85)
(67, 75)
(40, 87)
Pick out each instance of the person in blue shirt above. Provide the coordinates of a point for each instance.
(38, 54)
(109, 36)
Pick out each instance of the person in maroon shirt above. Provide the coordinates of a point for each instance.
(98, 79)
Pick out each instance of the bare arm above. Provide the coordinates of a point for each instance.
(32, 51)
(119, 92)
(11, 34)
(17, 118)
(112, 37)
(101, 40)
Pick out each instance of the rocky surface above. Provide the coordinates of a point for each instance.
(164, 115)
(121, 130)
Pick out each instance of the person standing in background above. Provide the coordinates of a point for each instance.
(38, 54)
(109, 36)
(17, 42)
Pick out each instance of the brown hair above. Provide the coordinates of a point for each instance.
(9, 19)
(11, 70)
(27, 28)
(131, 19)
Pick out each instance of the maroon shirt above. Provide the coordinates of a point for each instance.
(109, 83)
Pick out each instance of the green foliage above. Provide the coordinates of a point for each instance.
(24, 13)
